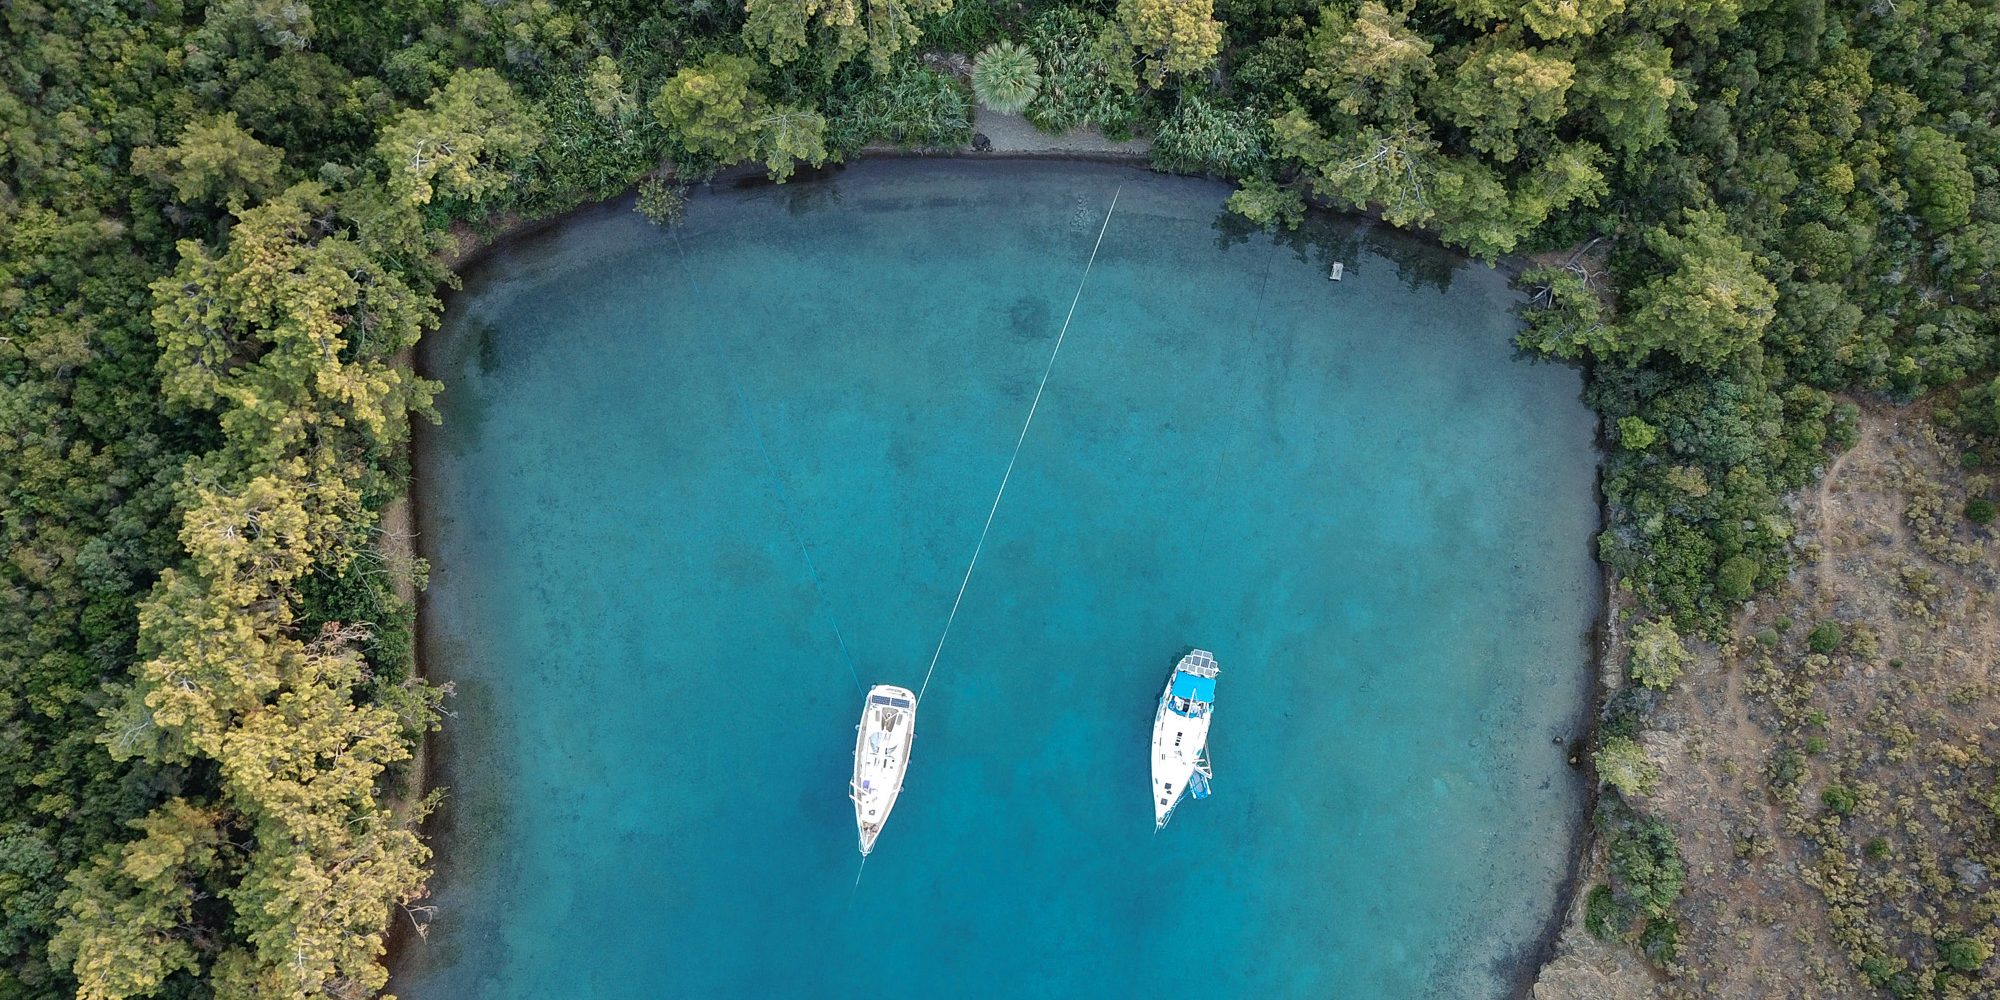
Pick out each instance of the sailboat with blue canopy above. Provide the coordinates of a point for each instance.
(1180, 735)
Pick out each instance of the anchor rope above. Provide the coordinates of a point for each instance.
(777, 481)
(1018, 440)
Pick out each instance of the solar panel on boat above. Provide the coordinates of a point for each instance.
(882, 699)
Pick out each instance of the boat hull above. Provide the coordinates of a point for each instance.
(882, 743)
(1180, 732)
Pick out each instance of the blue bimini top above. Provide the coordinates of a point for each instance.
(1194, 686)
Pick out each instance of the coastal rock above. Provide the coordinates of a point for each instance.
(1970, 874)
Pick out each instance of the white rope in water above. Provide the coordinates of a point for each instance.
(1078, 297)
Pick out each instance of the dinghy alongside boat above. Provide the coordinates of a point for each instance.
(881, 756)
(1180, 735)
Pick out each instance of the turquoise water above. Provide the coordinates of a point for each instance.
(1374, 513)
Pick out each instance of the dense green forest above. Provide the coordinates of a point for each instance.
(219, 233)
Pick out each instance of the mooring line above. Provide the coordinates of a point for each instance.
(1023, 436)
(777, 481)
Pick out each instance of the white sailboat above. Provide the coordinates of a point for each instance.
(1180, 735)
(881, 755)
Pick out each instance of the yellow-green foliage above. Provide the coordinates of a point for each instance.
(839, 29)
(709, 107)
(264, 334)
(462, 144)
(214, 161)
(1658, 655)
(1623, 765)
(712, 110)
(1265, 203)
(1171, 36)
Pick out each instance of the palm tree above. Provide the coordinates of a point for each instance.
(1005, 78)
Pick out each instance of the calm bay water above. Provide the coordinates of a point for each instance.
(1374, 513)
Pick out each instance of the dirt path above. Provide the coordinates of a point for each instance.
(1822, 503)
(1014, 134)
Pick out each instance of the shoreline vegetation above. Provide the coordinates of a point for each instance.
(1762, 225)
